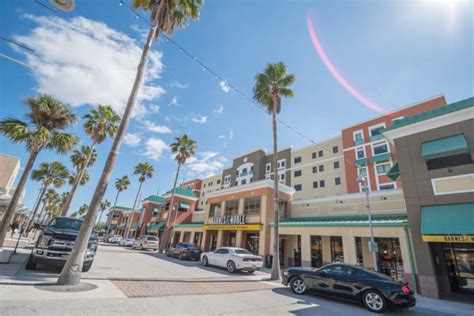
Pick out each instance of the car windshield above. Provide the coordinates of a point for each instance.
(242, 252)
(66, 223)
(152, 238)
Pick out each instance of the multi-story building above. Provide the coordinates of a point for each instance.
(193, 185)
(209, 184)
(9, 168)
(435, 162)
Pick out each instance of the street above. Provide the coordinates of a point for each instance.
(126, 281)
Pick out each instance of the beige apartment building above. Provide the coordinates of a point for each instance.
(9, 168)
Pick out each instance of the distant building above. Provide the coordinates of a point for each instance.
(9, 168)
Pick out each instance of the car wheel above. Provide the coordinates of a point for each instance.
(251, 271)
(298, 286)
(231, 267)
(86, 267)
(181, 256)
(31, 264)
(205, 261)
(168, 254)
(374, 301)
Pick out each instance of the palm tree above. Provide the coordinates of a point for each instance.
(83, 209)
(270, 86)
(52, 201)
(166, 15)
(53, 173)
(105, 204)
(99, 123)
(184, 147)
(43, 129)
(121, 184)
(144, 170)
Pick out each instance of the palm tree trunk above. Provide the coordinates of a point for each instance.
(7, 217)
(71, 273)
(75, 184)
(170, 212)
(115, 204)
(129, 225)
(275, 273)
(32, 218)
(44, 215)
(42, 209)
(98, 219)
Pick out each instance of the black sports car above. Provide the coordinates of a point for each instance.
(376, 291)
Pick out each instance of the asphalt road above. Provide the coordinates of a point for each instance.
(144, 282)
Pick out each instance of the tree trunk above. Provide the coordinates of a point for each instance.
(75, 184)
(7, 217)
(115, 204)
(275, 274)
(167, 235)
(71, 273)
(98, 219)
(177, 207)
(32, 219)
(129, 224)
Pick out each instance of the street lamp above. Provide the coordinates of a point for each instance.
(372, 245)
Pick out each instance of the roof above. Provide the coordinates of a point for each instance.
(449, 108)
(182, 191)
(154, 198)
(347, 221)
(121, 208)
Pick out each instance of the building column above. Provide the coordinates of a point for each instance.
(193, 233)
(239, 239)
(181, 236)
(305, 250)
(367, 256)
(262, 249)
(203, 244)
(349, 248)
(220, 238)
(326, 245)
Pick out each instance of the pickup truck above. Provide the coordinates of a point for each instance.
(56, 242)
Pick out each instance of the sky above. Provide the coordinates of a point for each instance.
(352, 60)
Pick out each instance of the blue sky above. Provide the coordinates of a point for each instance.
(393, 52)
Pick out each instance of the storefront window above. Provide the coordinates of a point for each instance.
(252, 206)
(231, 207)
(251, 242)
(460, 266)
(215, 210)
(390, 258)
(316, 252)
(337, 252)
(359, 256)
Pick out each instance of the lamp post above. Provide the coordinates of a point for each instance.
(372, 245)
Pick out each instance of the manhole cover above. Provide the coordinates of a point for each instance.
(53, 287)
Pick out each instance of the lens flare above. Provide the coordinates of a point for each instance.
(335, 73)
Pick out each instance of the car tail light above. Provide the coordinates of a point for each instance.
(145, 242)
(246, 259)
(406, 289)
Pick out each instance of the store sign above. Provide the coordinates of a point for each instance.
(449, 238)
(229, 220)
(244, 227)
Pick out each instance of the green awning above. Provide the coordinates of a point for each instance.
(153, 228)
(381, 157)
(184, 205)
(451, 219)
(135, 226)
(361, 161)
(112, 226)
(394, 172)
(122, 227)
(392, 220)
(444, 147)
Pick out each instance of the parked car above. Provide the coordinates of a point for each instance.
(233, 259)
(114, 239)
(146, 242)
(56, 242)
(184, 250)
(376, 291)
(127, 242)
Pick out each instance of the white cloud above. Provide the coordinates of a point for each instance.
(199, 119)
(204, 164)
(152, 127)
(224, 86)
(132, 139)
(219, 109)
(221, 136)
(82, 61)
(174, 101)
(231, 134)
(176, 84)
(154, 108)
(155, 148)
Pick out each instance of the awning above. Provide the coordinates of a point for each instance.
(135, 226)
(345, 221)
(447, 220)
(153, 228)
(361, 161)
(112, 226)
(444, 147)
(381, 157)
(394, 172)
(184, 205)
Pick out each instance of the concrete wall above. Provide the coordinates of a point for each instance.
(9, 167)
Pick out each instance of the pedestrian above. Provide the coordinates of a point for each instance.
(14, 227)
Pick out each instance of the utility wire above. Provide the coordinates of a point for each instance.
(17, 43)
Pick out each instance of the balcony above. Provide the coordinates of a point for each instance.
(358, 142)
(361, 161)
(375, 137)
(381, 157)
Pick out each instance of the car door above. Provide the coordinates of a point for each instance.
(218, 257)
(343, 281)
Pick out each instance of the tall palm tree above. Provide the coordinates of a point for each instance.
(121, 184)
(184, 147)
(105, 204)
(270, 86)
(145, 171)
(99, 123)
(52, 200)
(54, 173)
(43, 129)
(166, 16)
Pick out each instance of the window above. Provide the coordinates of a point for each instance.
(222, 251)
(337, 270)
(203, 193)
(320, 153)
(337, 252)
(215, 210)
(313, 155)
(359, 136)
(281, 176)
(363, 172)
(315, 169)
(231, 207)
(321, 168)
(218, 181)
(298, 173)
(315, 184)
(297, 159)
(252, 205)
(337, 181)
(383, 169)
(322, 183)
(267, 167)
(376, 129)
(244, 181)
(336, 164)
(204, 185)
(335, 149)
(281, 163)
(380, 149)
(451, 161)
(298, 187)
(387, 186)
(236, 183)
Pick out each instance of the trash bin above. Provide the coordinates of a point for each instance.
(268, 261)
